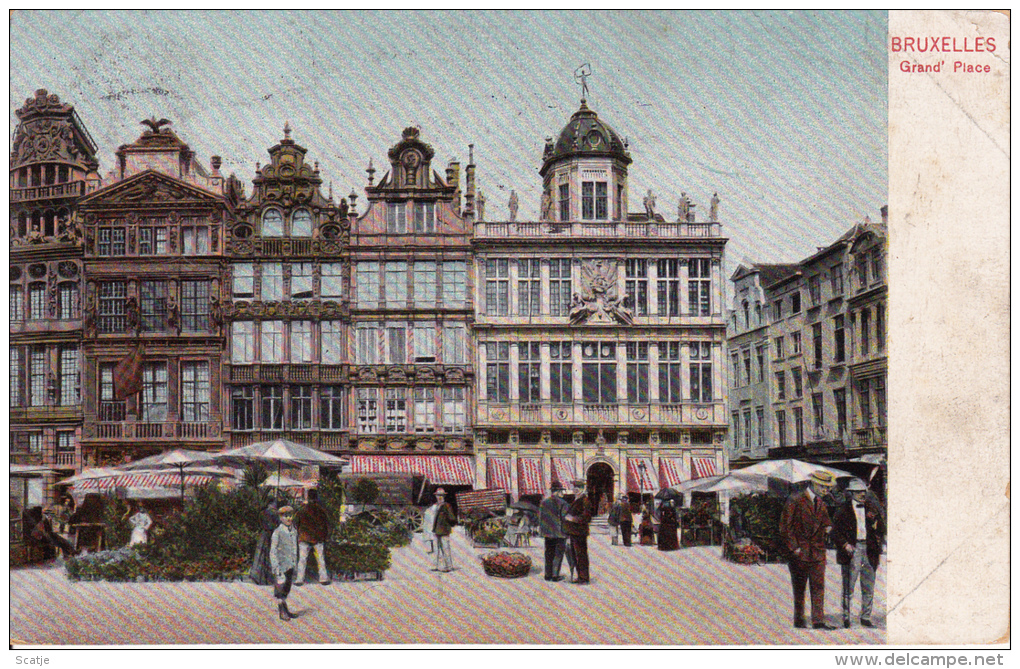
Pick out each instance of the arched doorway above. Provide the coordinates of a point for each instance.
(600, 487)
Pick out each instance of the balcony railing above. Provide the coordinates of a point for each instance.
(625, 229)
(68, 189)
(64, 459)
(131, 430)
(870, 437)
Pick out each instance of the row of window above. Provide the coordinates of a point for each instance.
(41, 175)
(595, 365)
(277, 407)
(871, 406)
(157, 310)
(299, 224)
(415, 410)
(277, 342)
(276, 281)
(594, 201)
(190, 238)
(421, 284)
(34, 307)
(32, 442)
(35, 383)
(153, 400)
(401, 342)
(413, 217)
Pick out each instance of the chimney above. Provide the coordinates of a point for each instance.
(453, 179)
(885, 214)
(469, 177)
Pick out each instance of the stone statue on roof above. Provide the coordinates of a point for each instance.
(650, 205)
(513, 205)
(713, 208)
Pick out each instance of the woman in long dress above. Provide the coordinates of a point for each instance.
(261, 570)
(645, 530)
(668, 526)
(140, 523)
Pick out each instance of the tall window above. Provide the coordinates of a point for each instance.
(780, 385)
(816, 341)
(795, 302)
(37, 301)
(69, 382)
(301, 341)
(424, 217)
(110, 242)
(497, 372)
(795, 343)
(735, 369)
(366, 345)
(396, 343)
(699, 286)
(153, 305)
(565, 202)
(601, 201)
(194, 306)
(272, 342)
(424, 410)
(880, 410)
(670, 373)
(876, 265)
(332, 342)
(747, 367)
(154, 392)
(152, 241)
(272, 281)
(395, 287)
(865, 331)
(301, 407)
(195, 392)
(301, 280)
(777, 310)
(839, 338)
(368, 410)
(396, 410)
(37, 369)
(244, 280)
(798, 382)
(880, 327)
(529, 286)
(272, 407)
(497, 287)
(636, 285)
(561, 377)
(454, 344)
(424, 343)
(301, 223)
(779, 346)
(242, 342)
(598, 372)
(17, 304)
(818, 411)
(195, 239)
(836, 280)
(864, 401)
(331, 413)
(759, 414)
(839, 398)
(332, 280)
(759, 353)
(594, 200)
(454, 410)
(110, 410)
(16, 376)
(747, 428)
(735, 422)
(272, 223)
(701, 371)
(529, 372)
(67, 301)
(65, 442)
(815, 289)
(781, 428)
(637, 372)
(798, 423)
(454, 283)
(669, 287)
(396, 217)
(559, 286)
(861, 269)
(367, 286)
(424, 282)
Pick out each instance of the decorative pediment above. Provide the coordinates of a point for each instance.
(149, 187)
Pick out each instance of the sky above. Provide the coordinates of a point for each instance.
(784, 114)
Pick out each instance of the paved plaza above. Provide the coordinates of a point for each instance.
(638, 596)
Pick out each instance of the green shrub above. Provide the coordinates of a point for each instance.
(376, 527)
(349, 558)
(118, 530)
(122, 564)
(364, 491)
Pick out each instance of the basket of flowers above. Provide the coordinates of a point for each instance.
(747, 553)
(504, 564)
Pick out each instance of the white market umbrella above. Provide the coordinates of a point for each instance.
(692, 484)
(734, 481)
(27, 470)
(280, 481)
(92, 473)
(791, 471)
(279, 451)
(178, 458)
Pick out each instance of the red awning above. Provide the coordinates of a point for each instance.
(529, 476)
(670, 472)
(497, 474)
(167, 480)
(438, 469)
(702, 468)
(640, 479)
(563, 472)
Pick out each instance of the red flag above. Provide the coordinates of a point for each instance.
(127, 375)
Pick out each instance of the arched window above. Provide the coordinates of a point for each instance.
(301, 223)
(272, 223)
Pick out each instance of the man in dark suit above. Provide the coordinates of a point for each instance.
(803, 526)
(857, 531)
(550, 524)
(445, 519)
(312, 523)
(575, 525)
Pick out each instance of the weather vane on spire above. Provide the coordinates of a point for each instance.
(581, 75)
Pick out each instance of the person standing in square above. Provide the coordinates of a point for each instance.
(283, 558)
(575, 525)
(857, 531)
(445, 519)
(803, 526)
(550, 524)
(313, 530)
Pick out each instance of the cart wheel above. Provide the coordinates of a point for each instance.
(413, 518)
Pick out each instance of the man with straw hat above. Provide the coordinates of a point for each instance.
(803, 526)
(857, 530)
(442, 527)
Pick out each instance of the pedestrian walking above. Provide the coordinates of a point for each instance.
(669, 524)
(551, 512)
(575, 525)
(858, 530)
(312, 523)
(614, 523)
(261, 571)
(803, 526)
(442, 528)
(283, 558)
(626, 518)
(646, 533)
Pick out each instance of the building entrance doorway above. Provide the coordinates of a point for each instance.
(600, 487)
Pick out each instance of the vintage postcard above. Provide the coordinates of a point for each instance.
(461, 329)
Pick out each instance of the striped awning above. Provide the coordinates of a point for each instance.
(132, 481)
(563, 472)
(670, 472)
(641, 479)
(703, 467)
(529, 476)
(438, 469)
(497, 474)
